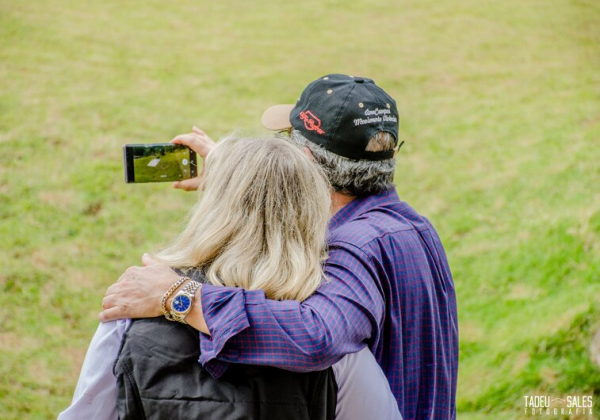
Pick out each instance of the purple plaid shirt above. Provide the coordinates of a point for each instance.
(389, 287)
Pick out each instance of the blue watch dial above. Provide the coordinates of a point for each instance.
(181, 303)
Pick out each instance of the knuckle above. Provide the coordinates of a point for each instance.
(133, 270)
(107, 303)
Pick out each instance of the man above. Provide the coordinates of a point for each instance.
(388, 285)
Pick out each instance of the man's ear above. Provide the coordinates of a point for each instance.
(397, 149)
(308, 153)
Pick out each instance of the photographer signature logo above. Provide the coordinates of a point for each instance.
(570, 405)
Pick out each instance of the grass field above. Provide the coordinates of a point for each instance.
(500, 110)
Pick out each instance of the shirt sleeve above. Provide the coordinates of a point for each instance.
(363, 390)
(95, 396)
(336, 320)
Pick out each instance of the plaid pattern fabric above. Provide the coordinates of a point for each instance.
(388, 287)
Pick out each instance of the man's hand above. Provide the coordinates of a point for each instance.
(138, 292)
(200, 143)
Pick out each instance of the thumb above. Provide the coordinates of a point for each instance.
(191, 184)
(197, 130)
(147, 260)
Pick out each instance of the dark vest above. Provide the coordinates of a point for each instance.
(159, 377)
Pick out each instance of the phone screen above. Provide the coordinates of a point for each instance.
(158, 162)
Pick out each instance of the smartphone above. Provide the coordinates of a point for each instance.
(158, 162)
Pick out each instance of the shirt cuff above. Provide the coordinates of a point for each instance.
(224, 310)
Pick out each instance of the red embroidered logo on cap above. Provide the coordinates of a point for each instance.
(311, 122)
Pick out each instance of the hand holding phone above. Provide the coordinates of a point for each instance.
(200, 143)
(197, 140)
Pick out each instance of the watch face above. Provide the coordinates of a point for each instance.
(181, 303)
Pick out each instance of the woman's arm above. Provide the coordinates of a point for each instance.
(95, 396)
(363, 390)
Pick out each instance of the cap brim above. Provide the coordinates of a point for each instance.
(277, 117)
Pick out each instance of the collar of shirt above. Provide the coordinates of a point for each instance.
(361, 205)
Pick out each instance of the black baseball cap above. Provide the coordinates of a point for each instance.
(340, 113)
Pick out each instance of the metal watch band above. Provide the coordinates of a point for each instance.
(189, 290)
(168, 294)
(191, 287)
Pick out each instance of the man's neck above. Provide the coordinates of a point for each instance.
(339, 201)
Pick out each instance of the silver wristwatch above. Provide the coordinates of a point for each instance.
(183, 301)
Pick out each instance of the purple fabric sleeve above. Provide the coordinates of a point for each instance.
(338, 319)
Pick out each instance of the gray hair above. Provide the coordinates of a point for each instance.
(354, 177)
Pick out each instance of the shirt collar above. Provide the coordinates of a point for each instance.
(363, 204)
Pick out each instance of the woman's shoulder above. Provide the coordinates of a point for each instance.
(194, 273)
(159, 332)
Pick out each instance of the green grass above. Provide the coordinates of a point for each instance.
(500, 110)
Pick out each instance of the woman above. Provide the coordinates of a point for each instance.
(261, 224)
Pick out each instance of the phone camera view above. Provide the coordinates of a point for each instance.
(158, 162)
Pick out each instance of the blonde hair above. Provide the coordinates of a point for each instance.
(261, 222)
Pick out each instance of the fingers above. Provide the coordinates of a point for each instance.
(138, 292)
(147, 260)
(108, 301)
(116, 287)
(198, 131)
(189, 140)
(198, 141)
(112, 314)
(113, 288)
(111, 310)
(128, 273)
(191, 184)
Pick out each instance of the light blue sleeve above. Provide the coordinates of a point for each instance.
(95, 396)
(363, 390)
